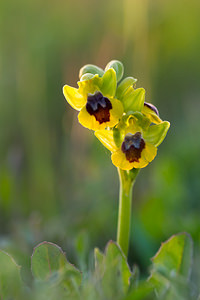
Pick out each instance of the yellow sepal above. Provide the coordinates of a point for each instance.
(107, 139)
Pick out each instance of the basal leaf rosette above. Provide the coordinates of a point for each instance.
(95, 99)
(134, 141)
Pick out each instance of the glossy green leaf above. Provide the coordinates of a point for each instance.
(118, 67)
(156, 133)
(10, 280)
(133, 100)
(92, 69)
(124, 85)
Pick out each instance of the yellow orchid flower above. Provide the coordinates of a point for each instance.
(134, 141)
(95, 99)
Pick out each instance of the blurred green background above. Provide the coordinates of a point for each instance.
(57, 182)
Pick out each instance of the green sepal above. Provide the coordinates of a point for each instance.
(156, 133)
(133, 100)
(87, 76)
(108, 83)
(92, 69)
(118, 67)
(140, 120)
(118, 136)
(136, 119)
(124, 85)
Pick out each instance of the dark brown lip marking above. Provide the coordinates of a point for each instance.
(99, 106)
(132, 146)
(152, 107)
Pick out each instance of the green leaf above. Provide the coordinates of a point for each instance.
(124, 85)
(133, 100)
(144, 291)
(117, 271)
(49, 263)
(99, 261)
(92, 69)
(172, 263)
(10, 280)
(156, 133)
(118, 67)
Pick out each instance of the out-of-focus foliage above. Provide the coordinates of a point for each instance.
(109, 278)
(56, 180)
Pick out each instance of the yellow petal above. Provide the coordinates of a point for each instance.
(73, 97)
(89, 121)
(149, 152)
(115, 113)
(86, 119)
(89, 86)
(142, 163)
(119, 160)
(107, 139)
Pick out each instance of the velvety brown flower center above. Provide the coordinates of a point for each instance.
(99, 106)
(132, 146)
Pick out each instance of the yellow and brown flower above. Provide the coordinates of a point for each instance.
(95, 99)
(134, 141)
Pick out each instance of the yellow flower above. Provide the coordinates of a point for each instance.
(134, 141)
(95, 99)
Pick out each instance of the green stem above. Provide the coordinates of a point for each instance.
(127, 179)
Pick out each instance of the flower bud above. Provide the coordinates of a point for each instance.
(92, 69)
(118, 67)
(87, 76)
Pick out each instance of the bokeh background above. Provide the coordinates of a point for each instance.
(57, 182)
